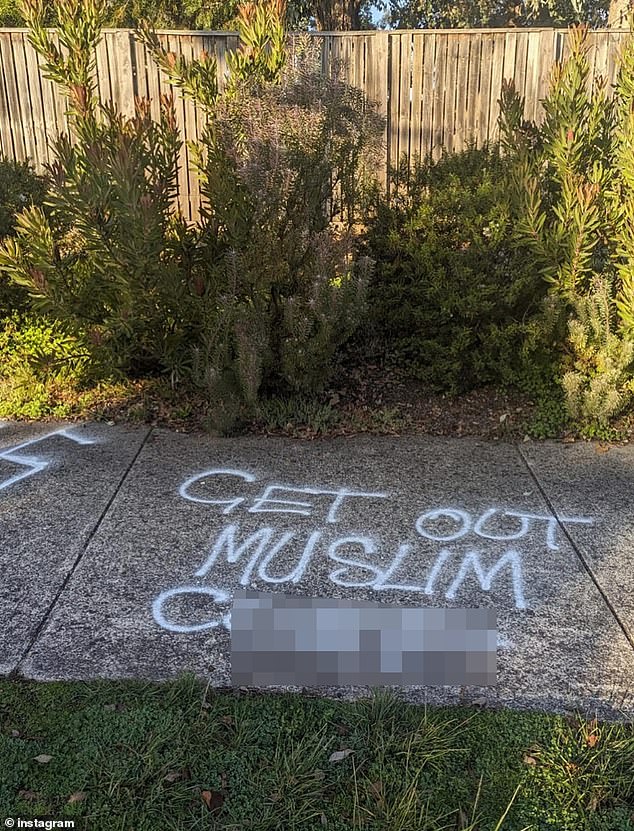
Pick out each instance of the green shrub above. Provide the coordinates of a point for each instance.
(43, 365)
(109, 257)
(451, 295)
(572, 189)
(19, 187)
(255, 297)
(275, 147)
(600, 381)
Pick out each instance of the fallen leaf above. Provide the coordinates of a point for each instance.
(592, 739)
(78, 796)
(43, 758)
(15, 734)
(479, 702)
(338, 755)
(173, 776)
(323, 819)
(603, 448)
(212, 799)
(529, 760)
(111, 707)
(319, 774)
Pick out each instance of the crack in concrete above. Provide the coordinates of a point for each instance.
(629, 635)
(16, 672)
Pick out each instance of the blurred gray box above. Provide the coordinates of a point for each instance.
(279, 639)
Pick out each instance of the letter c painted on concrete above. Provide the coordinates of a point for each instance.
(219, 596)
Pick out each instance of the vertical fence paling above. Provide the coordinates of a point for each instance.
(17, 130)
(377, 85)
(436, 89)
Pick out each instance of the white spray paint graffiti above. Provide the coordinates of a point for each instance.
(34, 464)
(303, 508)
(263, 544)
(256, 552)
(467, 525)
(218, 596)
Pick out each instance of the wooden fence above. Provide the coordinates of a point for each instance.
(436, 88)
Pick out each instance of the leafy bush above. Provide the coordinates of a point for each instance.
(451, 295)
(108, 259)
(572, 187)
(258, 294)
(273, 152)
(43, 364)
(19, 187)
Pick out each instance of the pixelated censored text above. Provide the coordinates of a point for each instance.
(279, 639)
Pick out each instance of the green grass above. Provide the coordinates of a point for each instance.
(141, 757)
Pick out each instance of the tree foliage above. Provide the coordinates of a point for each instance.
(439, 14)
(342, 15)
(163, 14)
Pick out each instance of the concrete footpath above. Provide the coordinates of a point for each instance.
(120, 549)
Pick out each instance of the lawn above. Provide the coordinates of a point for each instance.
(143, 757)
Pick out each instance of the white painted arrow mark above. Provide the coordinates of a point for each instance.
(34, 464)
